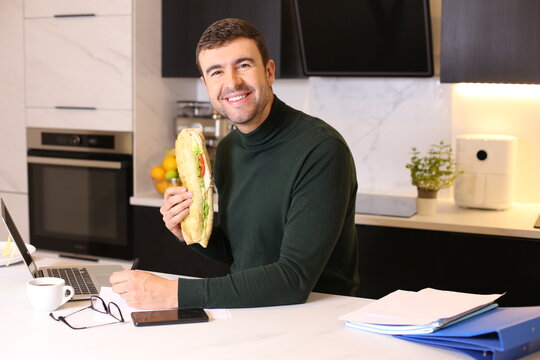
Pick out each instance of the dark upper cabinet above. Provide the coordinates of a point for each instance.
(184, 21)
(494, 41)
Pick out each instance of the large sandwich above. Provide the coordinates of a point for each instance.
(195, 173)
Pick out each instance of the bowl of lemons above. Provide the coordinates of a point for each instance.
(166, 174)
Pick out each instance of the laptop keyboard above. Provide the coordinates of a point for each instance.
(76, 277)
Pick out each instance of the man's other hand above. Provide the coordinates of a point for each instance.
(175, 208)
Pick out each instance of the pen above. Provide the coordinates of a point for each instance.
(135, 264)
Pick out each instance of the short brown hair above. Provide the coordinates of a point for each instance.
(225, 30)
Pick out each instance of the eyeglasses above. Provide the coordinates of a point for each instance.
(96, 304)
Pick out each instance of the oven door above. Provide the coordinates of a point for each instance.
(79, 202)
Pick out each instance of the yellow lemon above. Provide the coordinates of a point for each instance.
(157, 172)
(160, 186)
(169, 163)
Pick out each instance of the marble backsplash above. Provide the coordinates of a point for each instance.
(381, 119)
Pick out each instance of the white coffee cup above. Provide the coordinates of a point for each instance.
(48, 293)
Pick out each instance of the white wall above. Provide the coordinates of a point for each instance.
(12, 123)
(504, 109)
(155, 97)
(13, 183)
(381, 119)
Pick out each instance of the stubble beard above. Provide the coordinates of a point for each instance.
(247, 116)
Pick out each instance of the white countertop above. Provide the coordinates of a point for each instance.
(517, 221)
(307, 331)
(152, 199)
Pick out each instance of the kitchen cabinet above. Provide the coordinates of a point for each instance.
(185, 21)
(13, 185)
(80, 118)
(78, 64)
(396, 258)
(493, 41)
(50, 8)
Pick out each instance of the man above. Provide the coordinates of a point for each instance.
(287, 186)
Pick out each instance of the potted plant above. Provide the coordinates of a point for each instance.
(431, 173)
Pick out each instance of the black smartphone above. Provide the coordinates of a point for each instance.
(166, 317)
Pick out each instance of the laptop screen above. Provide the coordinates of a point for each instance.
(15, 235)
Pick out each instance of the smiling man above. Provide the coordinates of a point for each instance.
(287, 187)
(238, 79)
(239, 87)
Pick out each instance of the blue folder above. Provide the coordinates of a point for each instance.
(499, 334)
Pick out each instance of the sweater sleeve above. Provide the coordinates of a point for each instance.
(318, 207)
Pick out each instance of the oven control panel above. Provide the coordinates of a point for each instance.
(80, 140)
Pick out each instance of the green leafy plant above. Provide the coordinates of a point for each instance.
(435, 170)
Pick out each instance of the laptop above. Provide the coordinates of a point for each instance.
(86, 280)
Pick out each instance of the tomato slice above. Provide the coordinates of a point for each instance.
(201, 164)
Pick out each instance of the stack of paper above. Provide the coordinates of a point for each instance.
(422, 312)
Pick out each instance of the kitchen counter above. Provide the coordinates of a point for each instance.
(517, 221)
(152, 199)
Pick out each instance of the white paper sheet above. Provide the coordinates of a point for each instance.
(108, 295)
(424, 307)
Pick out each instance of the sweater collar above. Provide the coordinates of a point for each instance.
(269, 129)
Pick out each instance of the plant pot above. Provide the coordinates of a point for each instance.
(426, 202)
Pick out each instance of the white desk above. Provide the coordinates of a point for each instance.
(307, 331)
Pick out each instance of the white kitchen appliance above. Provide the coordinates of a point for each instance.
(487, 162)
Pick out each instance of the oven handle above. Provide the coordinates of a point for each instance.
(104, 164)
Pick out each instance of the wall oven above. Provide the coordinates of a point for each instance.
(79, 184)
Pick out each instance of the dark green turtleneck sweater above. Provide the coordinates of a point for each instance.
(286, 211)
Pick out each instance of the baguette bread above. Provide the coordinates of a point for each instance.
(195, 173)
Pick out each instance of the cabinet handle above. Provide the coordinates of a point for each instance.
(74, 108)
(73, 15)
(102, 164)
